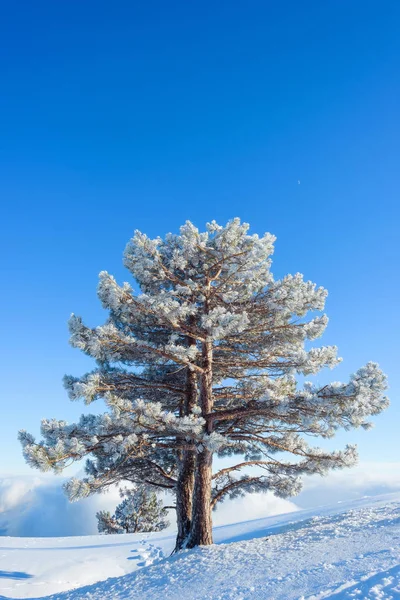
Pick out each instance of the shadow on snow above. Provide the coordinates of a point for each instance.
(14, 575)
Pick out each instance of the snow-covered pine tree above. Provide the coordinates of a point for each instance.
(211, 313)
(139, 511)
(106, 523)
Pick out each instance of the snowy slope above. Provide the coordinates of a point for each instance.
(347, 551)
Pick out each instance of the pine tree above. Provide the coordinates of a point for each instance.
(139, 511)
(106, 523)
(211, 347)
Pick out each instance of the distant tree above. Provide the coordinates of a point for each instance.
(106, 523)
(203, 362)
(139, 511)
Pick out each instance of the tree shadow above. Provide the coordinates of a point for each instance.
(14, 575)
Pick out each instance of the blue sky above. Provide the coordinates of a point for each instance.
(125, 115)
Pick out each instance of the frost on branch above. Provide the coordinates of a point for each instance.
(132, 438)
(76, 489)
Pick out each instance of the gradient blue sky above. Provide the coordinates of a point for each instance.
(124, 115)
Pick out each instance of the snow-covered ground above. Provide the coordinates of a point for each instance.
(349, 551)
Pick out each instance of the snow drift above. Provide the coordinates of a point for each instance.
(347, 551)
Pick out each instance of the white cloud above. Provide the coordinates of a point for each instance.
(37, 506)
(366, 479)
(252, 506)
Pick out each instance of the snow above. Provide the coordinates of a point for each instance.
(348, 551)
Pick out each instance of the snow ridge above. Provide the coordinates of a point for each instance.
(349, 551)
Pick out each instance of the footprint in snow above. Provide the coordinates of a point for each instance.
(147, 556)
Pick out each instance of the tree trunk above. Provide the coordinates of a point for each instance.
(187, 465)
(201, 529)
(184, 498)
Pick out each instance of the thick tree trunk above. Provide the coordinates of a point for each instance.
(201, 529)
(187, 465)
(184, 498)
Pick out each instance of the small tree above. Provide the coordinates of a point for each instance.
(203, 362)
(139, 511)
(106, 523)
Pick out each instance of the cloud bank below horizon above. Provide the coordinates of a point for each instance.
(37, 507)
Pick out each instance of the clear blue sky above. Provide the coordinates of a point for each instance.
(124, 115)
